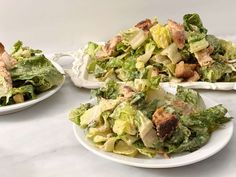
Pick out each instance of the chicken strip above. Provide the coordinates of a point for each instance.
(5, 58)
(177, 32)
(203, 56)
(145, 25)
(109, 48)
(6, 63)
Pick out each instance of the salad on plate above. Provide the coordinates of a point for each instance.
(175, 52)
(25, 73)
(141, 118)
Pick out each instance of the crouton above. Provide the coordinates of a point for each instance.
(183, 70)
(194, 78)
(165, 122)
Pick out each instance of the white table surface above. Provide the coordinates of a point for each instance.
(39, 142)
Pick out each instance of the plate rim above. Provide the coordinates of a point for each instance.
(110, 156)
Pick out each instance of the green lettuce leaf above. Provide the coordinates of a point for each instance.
(229, 48)
(197, 41)
(76, 113)
(134, 37)
(143, 59)
(172, 52)
(146, 130)
(124, 116)
(161, 35)
(38, 71)
(109, 91)
(91, 49)
(20, 52)
(27, 91)
(192, 22)
(190, 96)
(214, 72)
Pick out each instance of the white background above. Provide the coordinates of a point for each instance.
(39, 141)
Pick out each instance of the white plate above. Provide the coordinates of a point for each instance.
(20, 106)
(81, 78)
(218, 140)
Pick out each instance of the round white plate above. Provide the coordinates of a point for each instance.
(20, 106)
(218, 140)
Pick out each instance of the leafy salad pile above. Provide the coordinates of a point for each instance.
(141, 118)
(24, 73)
(174, 52)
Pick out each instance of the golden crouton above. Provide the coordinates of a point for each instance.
(165, 122)
(183, 70)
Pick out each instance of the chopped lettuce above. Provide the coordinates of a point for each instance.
(25, 92)
(146, 130)
(161, 35)
(91, 49)
(197, 42)
(143, 59)
(214, 72)
(20, 52)
(190, 96)
(76, 113)
(134, 37)
(172, 52)
(229, 48)
(192, 22)
(216, 44)
(38, 71)
(124, 116)
(109, 91)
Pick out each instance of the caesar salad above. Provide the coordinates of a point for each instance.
(138, 117)
(181, 53)
(25, 73)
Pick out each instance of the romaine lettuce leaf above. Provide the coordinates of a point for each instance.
(20, 52)
(143, 59)
(124, 119)
(76, 113)
(190, 96)
(197, 41)
(123, 148)
(192, 22)
(172, 52)
(215, 43)
(146, 130)
(214, 72)
(229, 48)
(109, 91)
(134, 37)
(161, 35)
(91, 49)
(26, 92)
(38, 71)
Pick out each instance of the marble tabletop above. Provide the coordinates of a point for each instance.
(39, 141)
